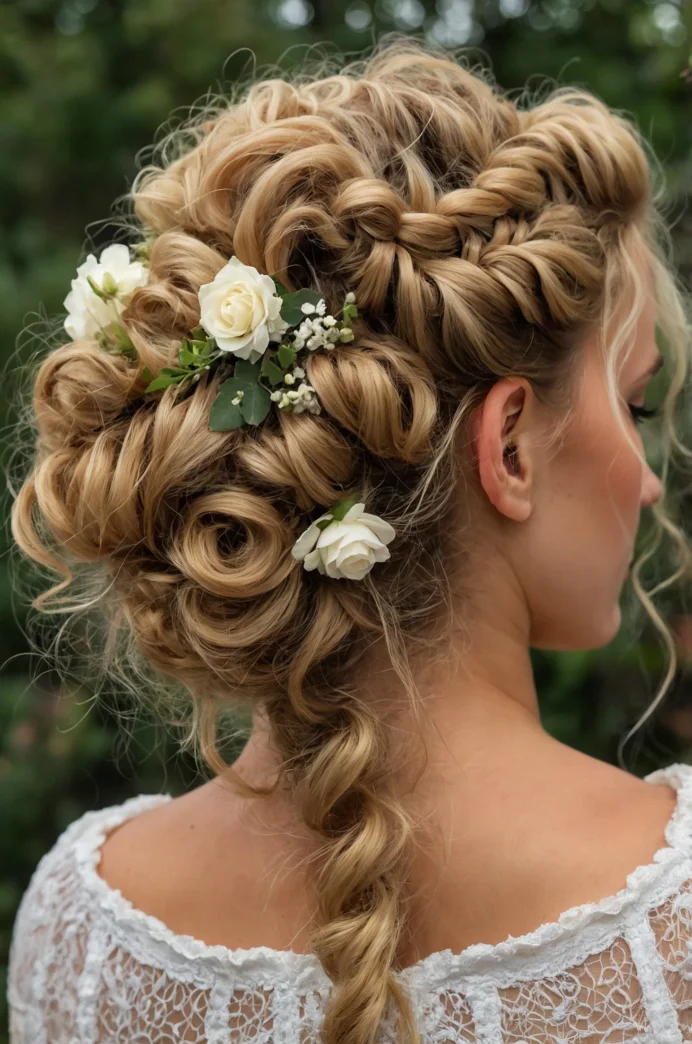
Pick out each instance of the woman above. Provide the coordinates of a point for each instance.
(351, 427)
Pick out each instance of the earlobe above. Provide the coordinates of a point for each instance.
(504, 463)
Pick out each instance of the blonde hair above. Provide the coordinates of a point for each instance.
(482, 239)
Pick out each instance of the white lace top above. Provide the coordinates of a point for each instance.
(86, 967)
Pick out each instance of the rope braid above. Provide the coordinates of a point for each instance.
(338, 750)
(478, 239)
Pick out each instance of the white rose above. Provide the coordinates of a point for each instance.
(348, 548)
(240, 309)
(87, 312)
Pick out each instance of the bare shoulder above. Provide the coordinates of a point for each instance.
(601, 823)
(609, 818)
(210, 865)
(634, 816)
(566, 833)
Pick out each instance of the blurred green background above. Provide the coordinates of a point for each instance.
(84, 85)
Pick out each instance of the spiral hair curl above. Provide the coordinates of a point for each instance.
(481, 240)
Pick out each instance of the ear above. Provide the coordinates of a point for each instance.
(502, 448)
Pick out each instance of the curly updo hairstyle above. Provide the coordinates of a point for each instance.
(482, 239)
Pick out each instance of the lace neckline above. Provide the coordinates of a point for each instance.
(646, 886)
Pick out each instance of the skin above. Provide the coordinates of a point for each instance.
(516, 826)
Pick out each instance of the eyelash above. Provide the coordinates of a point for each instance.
(641, 413)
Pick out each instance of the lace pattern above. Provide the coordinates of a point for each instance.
(86, 967)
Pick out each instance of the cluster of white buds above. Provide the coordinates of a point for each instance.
(297, 400)
(318, 330)
(297, 371)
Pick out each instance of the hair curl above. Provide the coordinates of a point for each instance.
(481, 239)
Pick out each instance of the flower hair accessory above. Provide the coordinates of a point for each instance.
(345, 542)
(244, 315)
(100, 292)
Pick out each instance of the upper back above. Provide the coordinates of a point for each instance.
(497, 873)
(86, 964)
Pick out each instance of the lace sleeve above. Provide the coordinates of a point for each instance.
(48, 949)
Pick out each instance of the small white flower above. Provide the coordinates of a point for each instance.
(296, 374)
(346, 335)
(306, 399)
(321, 306)
(345, 549)
(329, 320)
(307, 308)
(241, 310)
(350, 297)
(297, 400)
(87, 312)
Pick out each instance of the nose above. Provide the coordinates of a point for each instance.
(651, 487)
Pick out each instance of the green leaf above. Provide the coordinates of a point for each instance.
(272, 372)
(291, 309)
(146, 373)
(286, 356)
(225, 415)
(340, 509)
(202, 348)
(280, 288)
(167, 375)
(198, 334)
(246, 371)
(186, 355)
(324, 522)
(255, 404)
(158, 383)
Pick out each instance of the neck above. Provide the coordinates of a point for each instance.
(479, 706)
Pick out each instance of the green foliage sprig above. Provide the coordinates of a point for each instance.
(245, 398)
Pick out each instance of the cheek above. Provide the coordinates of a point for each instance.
(606, 473)
(623, 482)
(581, 541)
